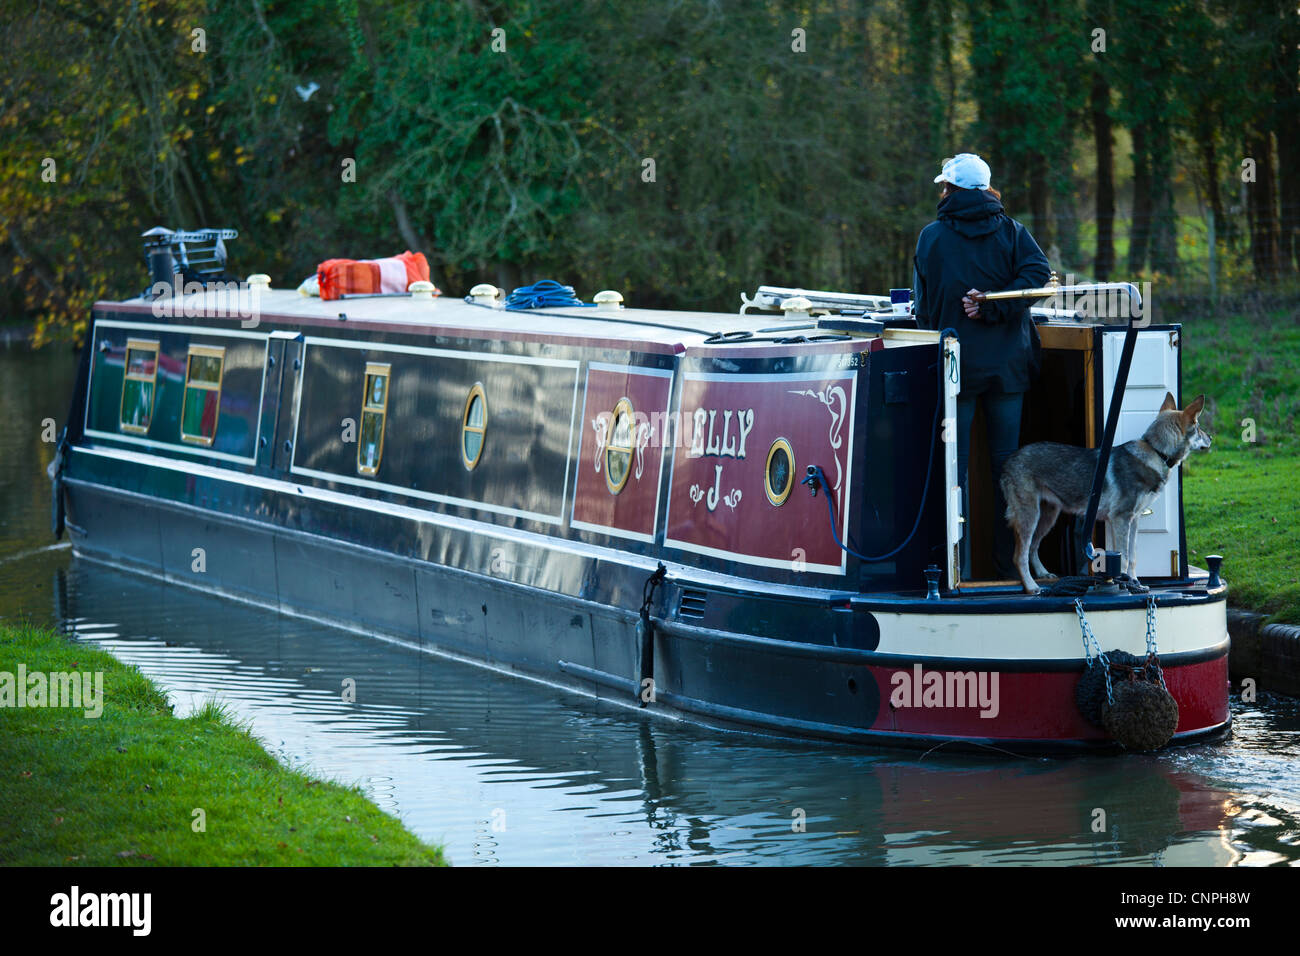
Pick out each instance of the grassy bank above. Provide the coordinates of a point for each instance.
(122, 788)
(1242, 497)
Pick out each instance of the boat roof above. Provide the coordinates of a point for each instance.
(662, 330)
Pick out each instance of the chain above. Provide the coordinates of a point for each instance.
(1090, 644)
(1153, 653)
(1084, 630)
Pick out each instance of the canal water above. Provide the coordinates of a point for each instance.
(501, 770)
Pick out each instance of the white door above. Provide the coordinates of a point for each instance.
(950, 357)
(1153, 373)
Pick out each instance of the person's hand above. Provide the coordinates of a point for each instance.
(970, 304)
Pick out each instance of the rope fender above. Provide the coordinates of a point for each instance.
(1124, 694)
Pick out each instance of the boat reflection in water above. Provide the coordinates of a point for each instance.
(502, 770)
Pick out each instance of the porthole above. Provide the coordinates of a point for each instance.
(779, 474)
(473, 427)
(618, 450)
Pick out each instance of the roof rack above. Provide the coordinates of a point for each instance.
(769, 299)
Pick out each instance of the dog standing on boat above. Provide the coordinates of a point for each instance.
(1041, 480)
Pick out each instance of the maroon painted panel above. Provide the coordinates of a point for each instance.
(1030, 706)
(718, 502)
(633, 510)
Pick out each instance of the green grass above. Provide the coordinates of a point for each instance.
(121, 789)
(1242, 498)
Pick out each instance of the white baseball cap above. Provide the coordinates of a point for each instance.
(965, 170)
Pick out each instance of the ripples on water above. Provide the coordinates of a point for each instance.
(501, 770)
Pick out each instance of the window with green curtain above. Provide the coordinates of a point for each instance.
(201, 407)
(140, 375)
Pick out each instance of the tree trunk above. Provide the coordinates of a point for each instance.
(1210, 162)
(1164, 223)
(1286, 114)
(1288, 158)
(1038, 202)
(1065, 220)
(1261, 202)
(1104, 143)
(1164, 231)
(1140, 231)
(413, 239)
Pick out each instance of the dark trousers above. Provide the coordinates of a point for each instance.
(1002, 423)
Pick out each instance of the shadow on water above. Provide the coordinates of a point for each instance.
(506, 771)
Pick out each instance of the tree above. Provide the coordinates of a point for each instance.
(1145, 62)
(1025, 58)
(100, 111)
(1285, 64)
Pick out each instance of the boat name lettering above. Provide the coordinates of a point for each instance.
(723, 440)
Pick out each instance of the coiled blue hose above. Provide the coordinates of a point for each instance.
(544, 294)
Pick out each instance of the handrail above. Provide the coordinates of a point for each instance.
(1054, 290)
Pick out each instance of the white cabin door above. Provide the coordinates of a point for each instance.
(1153, 373)
(950, 360)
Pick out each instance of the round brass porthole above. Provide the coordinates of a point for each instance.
(618, 450)
(473, 426)
(778, 478)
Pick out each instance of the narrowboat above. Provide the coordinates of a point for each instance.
(745, 520)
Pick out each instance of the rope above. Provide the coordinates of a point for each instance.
(973, 743)
(817, 478)
(645, 633)
(648, 589)
(744, 335)
(1078, 585)
(545, 294)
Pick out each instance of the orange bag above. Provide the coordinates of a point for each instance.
(340, 277)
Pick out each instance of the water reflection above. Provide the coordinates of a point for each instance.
(506, 771)
(502, 770)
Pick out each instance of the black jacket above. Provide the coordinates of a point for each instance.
(975, 245)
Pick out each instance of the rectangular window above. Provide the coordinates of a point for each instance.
(139, 380)
(202, 402)
(374, 409)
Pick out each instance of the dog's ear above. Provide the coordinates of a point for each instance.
(1170, 404)
(1193, 411)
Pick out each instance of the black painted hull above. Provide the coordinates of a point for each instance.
(718, 678)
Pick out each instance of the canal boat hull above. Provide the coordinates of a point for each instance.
(864, 684)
